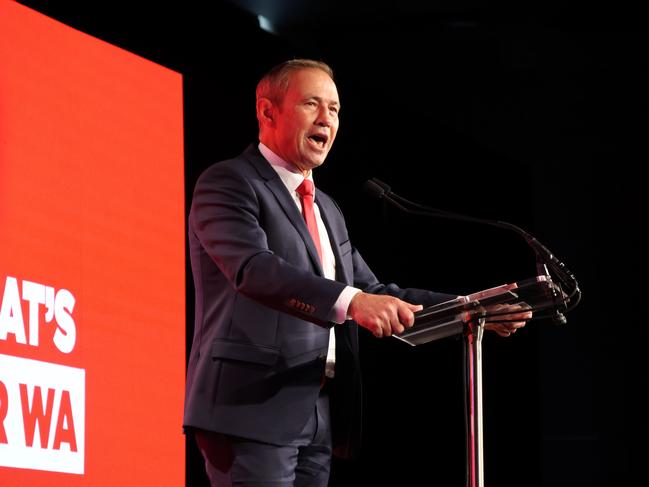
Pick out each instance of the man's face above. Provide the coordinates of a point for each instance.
(307, 120)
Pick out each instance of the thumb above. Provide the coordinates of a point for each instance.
(414, 307)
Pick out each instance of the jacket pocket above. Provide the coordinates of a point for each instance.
(345, 248)
(244, 352)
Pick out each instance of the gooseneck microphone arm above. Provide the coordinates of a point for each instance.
(557, 304)
(379, 190)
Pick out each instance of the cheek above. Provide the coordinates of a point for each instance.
(299, 131)
(334, 132)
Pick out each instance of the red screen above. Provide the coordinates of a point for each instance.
(92, 284)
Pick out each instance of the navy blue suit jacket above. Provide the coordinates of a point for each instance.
(263, 307)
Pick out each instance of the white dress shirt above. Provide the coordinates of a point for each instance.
(292, 178)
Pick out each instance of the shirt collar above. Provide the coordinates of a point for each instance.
(289, 174)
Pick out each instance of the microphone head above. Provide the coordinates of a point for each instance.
(380, 183)
(373, 189)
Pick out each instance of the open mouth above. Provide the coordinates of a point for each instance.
(319, 140)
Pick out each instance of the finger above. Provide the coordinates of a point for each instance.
(518, 319)
(398, 328)
(497, 308)
(512, 310)
(500, 328)
(527, 315)
(396, 324)
(512, 327)
(414, 307)
(406, 315)
(505, 331)
(377, 330)
(386, 327)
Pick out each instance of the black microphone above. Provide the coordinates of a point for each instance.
(379, 190)
(375, 188)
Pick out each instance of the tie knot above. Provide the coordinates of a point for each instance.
(306, 188)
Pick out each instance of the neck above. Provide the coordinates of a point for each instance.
(279, 159)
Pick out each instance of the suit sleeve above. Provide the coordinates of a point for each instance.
(365, 280)
(226, 218)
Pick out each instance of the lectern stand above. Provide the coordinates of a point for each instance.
(467, 315)
(473, 400)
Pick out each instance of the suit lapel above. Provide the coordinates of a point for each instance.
(275, 184)
(348, 334)
(327, 212)
(344, 334)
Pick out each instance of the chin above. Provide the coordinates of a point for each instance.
(315, 164)
(320, 158)
(311, 163)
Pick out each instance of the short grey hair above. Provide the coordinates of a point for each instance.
(274, 84)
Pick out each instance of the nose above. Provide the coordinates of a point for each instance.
(325, 119)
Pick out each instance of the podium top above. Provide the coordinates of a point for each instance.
(451, 317)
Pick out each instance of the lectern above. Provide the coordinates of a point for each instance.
(467, 315)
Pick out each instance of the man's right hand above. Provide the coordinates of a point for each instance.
(382, 315)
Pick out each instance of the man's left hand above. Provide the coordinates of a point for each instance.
(508, 319)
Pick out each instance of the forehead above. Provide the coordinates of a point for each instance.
(312, 82)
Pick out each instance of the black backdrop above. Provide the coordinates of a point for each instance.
(536, 117)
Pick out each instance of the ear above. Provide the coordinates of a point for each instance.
(265, 111)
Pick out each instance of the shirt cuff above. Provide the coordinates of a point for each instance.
(339, 311)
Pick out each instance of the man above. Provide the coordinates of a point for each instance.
(276, 280)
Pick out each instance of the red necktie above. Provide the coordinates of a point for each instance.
(305, 190)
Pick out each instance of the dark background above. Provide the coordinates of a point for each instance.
(534, 115)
